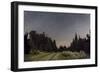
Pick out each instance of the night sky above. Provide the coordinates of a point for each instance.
(59, 26)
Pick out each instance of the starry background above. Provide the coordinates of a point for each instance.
(59, 26)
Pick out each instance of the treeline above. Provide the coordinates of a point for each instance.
(35, 41)
(78, 44)
(81, 44)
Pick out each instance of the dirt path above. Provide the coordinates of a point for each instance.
(48, 57)
(39, 57)
(56, 57)
(44, 57)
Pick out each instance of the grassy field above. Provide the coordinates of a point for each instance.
(65, 55)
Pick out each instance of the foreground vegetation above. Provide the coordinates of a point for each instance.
(65, 55)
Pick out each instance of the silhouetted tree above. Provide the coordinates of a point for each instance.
(79, 44)
(26, 44)
(41, 42)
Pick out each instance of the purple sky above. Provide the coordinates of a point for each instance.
(59, 26)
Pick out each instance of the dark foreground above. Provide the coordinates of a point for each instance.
(45, 56)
